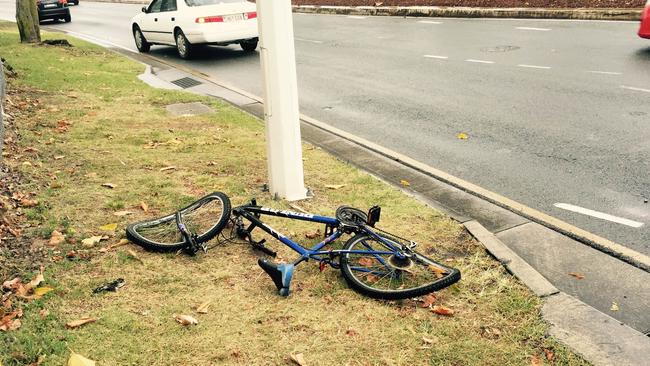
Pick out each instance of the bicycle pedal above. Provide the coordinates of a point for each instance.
(265, 250)
(281, 275)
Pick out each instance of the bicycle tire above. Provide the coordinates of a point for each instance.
(166, 225)
(365, 286)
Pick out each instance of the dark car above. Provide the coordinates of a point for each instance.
(53, 9)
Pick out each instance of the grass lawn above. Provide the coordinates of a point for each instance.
(87, 120)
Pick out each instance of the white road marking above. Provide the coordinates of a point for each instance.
(599, 215)
(534, 66)
(428, 22)
(307, 40)
(438, 57)
(479, 61)
(604, 72)
(635, 89)
(356, 17)
(534, 29)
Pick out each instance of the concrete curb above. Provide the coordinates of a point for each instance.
(466, 12)
(455, 12)
(514, 263)
(599, 338)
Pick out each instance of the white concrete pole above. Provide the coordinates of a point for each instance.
(281, 114)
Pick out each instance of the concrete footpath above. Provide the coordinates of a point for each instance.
(456, 12)
(595, 303)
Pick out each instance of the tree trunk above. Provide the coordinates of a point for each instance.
(27, 20)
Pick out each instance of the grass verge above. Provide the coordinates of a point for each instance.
(92, 122)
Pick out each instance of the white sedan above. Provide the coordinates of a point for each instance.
(187, 23)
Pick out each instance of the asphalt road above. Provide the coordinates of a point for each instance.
(556, 111)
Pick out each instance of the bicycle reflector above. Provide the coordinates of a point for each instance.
(373, 215)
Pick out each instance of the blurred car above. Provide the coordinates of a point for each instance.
(644, 30)
(188, 23)
(54, 10)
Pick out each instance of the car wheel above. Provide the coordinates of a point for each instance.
(67, 18)
(141, 42)
(183, 46)
(249, 45)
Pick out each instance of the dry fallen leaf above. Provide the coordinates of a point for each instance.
(550, 356)
(614, 306)
(428, 340)
(134, 255)
(439, 272)
(185, 319)
(576, 275)
(334, 186)
(404, 182)
(8, 324)
(462, 136)
(108, 185)
(203, 308)
(77, 323)
(90, 242)
(351, 332)
(298, 359)
(428, 300)
(35, 281)
(11, 284)
(442, 310)
(108, 227)
(44, 313)
(40, 291)
(79, 360)
(56, 238)
(28, 203)
(366, 262)
(144, 206)
(535, 360)
(122, 213)
(313, 234)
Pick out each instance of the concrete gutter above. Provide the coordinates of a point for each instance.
(455, 12)
(598, 337)
(466, 12)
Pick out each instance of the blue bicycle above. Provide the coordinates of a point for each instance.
(374, 262)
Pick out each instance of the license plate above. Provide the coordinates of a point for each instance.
(233, 17)
(50, 5)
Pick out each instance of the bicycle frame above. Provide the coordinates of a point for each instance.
(333, 231)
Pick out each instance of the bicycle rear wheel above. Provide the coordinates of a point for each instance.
(377, 271)
(205, 218)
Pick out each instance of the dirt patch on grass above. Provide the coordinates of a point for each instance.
(483, 3)
(19, 255)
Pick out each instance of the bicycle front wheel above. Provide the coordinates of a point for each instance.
(206, 218)
(373, 269)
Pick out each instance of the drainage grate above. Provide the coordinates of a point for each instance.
(186, 82)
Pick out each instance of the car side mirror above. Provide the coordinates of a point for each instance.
(144, 9)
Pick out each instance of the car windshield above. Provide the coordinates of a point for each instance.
(211, 2)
